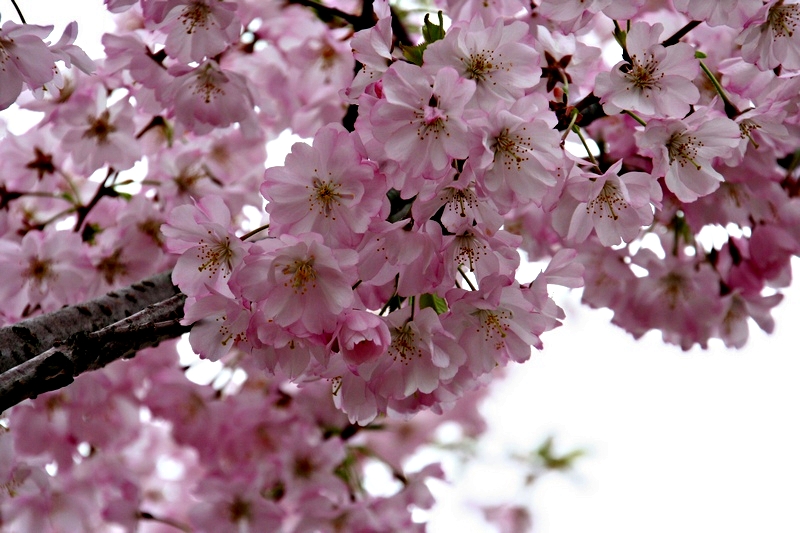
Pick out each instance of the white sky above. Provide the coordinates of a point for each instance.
(678, 442)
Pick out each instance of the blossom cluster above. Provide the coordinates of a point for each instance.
(642, 150)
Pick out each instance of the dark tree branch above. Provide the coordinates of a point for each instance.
(57, 367)
(27, 339)
(328, 12)
(676, 37)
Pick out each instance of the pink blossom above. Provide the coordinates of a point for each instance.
(208, 97)
(684, 150)
(372, 48)
(389, 250)
(24, 59)
(421, 356)
(497, 323)
(66, 51)
(361, 337)
(471, 250)
(43, 272)
(419, 120)
(300, 283)
(462, 206)
(519, 159)
(199, 29)
(495, 57)
(219, 324)
(96, 134)
(354, 397)
(675, 293)
(232, 506)
(733, 13)
(770, 39)
(209, 250)
(656, 82)
(615, 206)
(327, 188)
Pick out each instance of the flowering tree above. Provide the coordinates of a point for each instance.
(603, 138)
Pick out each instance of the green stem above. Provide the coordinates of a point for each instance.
(731, 110)
(573, 118)
(577, 131)
(635, 117)
(621, 38)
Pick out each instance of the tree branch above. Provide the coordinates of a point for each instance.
(24, 340)
(57, 367)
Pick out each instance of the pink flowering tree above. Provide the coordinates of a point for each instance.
(364, 291)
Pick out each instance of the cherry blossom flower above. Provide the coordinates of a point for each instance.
(419, 120)
(219, 324)
(233, 506)
(422, 354)
(462, 206)
(373, 49)
(70, 54)
(497, 322)
(571, 12)
(474, 251)
(495, 57)
(208, 97)
(389, 251)
(770, 39)
(615, 206)
(676, 291)
(97, 134)
(325, 188)
(684, 150)
(519, 160)
(656, 82)
(733, 13)
(287, 274)
(24, 59)
(199, 29)
(361, 336)
(43, 271)
(210, 251)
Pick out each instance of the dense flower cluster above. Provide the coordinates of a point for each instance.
(607, 139)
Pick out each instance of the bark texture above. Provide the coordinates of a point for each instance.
(59, 364)
(27, 339)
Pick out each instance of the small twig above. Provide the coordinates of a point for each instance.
(144, 515)
(678, 35)
(464, 275)
(105, 189)
(399, 30)
(329, 11)
(21, 18)
(254, 232)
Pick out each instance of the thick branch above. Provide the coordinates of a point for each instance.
(58, 366)
(29, 338)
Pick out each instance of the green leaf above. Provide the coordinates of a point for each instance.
(434, 302)
(413, 54)
(433, 32)
(699, 55)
